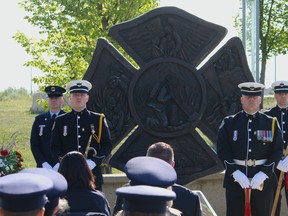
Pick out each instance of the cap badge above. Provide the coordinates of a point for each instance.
(53, 89)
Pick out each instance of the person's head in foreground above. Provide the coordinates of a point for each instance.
(58, 190)
(143, 200)
(24, 194)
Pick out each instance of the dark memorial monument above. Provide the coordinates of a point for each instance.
(169, 97)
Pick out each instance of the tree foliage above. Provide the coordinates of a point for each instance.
(273, 30)
(69, 30)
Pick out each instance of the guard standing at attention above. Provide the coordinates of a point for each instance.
(82, 130)
(280, 111)
(42, 126)
(250, 146)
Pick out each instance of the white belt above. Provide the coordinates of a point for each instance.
(250, 162)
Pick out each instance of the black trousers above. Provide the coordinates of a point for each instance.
(260, 201)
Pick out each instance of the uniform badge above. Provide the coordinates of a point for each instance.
(235, 135)
(65, 129)
(41, 127)
(92, 128)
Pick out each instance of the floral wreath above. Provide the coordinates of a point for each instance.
(10, 159)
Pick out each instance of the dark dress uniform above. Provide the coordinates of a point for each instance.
(72, 131)
(186, 201)
(282, 117)
(87, 200)
(257, 140)
(40, 138)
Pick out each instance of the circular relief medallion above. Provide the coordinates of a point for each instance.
(167, 97)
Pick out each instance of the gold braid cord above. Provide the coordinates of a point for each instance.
(273, 126)
(98, 138)
(93, 135)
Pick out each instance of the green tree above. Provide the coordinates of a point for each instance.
(273, 32)
(69, 30)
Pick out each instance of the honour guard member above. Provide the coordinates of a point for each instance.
(250, 146)
(82, 130)
(280, 111)
(42, 126)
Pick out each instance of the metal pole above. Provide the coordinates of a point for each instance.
(257, 19)
(30, 80)
(275, 68)
(244, 24)
(255, 38)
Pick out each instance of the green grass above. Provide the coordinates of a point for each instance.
(15, 117)
(269, 102)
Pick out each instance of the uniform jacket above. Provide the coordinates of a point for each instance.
(40, 138)
(72, 131)
(245, 137)
(86, 200)
(282, 117)
(186, 201)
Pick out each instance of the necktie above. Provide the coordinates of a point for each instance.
(52, 119)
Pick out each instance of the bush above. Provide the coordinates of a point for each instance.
(13, 94)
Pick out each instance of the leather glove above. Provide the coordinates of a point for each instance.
(241, 178)
(56, 167)
(46, 165)
(283, 165)
(91, 164)
(258, 180)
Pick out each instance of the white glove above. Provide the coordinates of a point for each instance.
(258, 180)
(46, 165)
(91, 164)
(283, 165)
(241, 178)
(56, 167)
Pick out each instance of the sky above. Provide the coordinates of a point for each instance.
(13, 57)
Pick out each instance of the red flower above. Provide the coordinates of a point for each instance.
(4, 153)
(19, 156)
